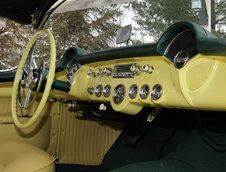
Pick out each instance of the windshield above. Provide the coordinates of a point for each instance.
(13, 39)
(93, 26)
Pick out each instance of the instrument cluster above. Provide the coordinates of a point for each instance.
(126, 86)
(122, 71)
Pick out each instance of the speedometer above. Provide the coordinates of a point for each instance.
(181, 59)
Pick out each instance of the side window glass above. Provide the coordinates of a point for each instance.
(13, 39)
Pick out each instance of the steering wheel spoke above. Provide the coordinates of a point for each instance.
(33, 64)
(27, 99)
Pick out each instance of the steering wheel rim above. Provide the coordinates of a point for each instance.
(50, 77)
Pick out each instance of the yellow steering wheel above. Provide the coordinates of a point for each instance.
(32, 78)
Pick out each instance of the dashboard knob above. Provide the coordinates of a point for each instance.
(107, 71)
(100, 72)
(102, 107)
(89, 71)
(135, 69)
(97, 71)
(148, 69)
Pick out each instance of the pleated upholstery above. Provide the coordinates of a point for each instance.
(85, 141)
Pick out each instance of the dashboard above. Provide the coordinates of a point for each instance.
(175, 72)
(184, 69)
(127, 85)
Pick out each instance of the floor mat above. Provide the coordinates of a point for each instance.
(149, 148)
(166, 165)
(184, 151)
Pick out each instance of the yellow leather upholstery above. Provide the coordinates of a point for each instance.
(23, 157)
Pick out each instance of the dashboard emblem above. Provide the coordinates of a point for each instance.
(181, 59)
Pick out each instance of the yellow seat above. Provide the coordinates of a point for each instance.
(23, 157)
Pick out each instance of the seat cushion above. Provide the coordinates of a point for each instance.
(20, 156)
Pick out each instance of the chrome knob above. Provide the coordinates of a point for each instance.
(107, 71)
(102, 107)
(135, 69)
(148, 69)
(97, 71)
(89, 71)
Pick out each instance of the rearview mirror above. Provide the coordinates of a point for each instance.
(123, 34)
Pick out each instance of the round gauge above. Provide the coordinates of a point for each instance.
(119, 94)
(144, 91)
(156, 92)
(107, 91)
(99, 90)
(181, 59)
(133, 91)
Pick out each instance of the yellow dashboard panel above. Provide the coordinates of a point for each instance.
(200, 84)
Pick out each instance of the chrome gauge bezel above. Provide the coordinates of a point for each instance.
(107, 91)
(119, 94)
(156, 92)
(181, 59)
(144, 91)
(99, 90)
(133, 90)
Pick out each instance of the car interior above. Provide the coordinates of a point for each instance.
(157, 106)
